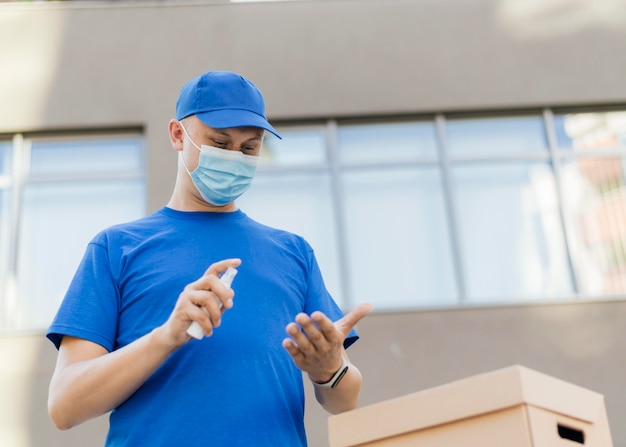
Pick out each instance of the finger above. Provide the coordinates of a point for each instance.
(211, 283)
(217, 268)
(299, 338)
(222, 294)
(347, 323)
(311, 329)
(326, 327)
(207, 303)
(292, 348)
(200, 316)
(296, 354)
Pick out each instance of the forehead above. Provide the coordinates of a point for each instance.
(230, 132)
(237, 132)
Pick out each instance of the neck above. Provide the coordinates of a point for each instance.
(186, 197)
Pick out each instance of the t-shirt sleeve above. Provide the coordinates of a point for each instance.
(318, 298)
(89, 309)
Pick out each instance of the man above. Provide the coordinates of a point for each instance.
(122, 328)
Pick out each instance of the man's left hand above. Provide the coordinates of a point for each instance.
(316, 343)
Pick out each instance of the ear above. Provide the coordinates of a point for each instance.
(176, 135)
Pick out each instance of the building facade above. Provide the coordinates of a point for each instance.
(458, 164)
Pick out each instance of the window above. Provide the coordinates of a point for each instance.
(591, 153)
(452, 210)
(56, 193)
(393, 213)
(511, 242)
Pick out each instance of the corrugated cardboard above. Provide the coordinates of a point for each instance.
(510, 407)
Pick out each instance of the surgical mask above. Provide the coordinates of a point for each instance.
(222, 175)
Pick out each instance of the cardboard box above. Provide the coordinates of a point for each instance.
(510, 407)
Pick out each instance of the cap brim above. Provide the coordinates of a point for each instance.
(223, 119)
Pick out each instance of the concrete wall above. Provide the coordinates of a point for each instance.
(96, 65)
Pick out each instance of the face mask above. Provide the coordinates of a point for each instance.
(222, 175)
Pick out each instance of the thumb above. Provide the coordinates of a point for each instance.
(345, 324)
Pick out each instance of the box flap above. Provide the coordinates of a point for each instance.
(461, 399)
(559, 396)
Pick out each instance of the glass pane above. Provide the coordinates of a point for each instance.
(591, 131)
(123, 155)
(511, 236)
(5, 158)
(5, 228)
(301, 204)
(5, 209)
(595, 208)
(58, 222)
(495, 136)
(5, 224)
(5, 245)
(387, 142)
(299, 146)
(399, 249)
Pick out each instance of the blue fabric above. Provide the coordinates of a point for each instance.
(222, 99)
(236, 388)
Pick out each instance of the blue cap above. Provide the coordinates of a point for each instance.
(222, 99)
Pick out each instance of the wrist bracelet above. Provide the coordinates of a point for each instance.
(336, 378)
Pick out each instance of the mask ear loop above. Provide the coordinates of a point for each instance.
(180, 154)
(182, 159)
(187, 135)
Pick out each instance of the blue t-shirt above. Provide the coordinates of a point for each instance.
(238, 387)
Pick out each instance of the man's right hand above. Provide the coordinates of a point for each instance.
(197, 302)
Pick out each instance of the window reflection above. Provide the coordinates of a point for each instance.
(591, 131)
(398, 239)
(5, 227)
(86, 156)
(511, 236)
(387, 142)
(503, 136)
(50, 210)
(299, 146)
(595, 198)
(4, 251)
(5, 158)
(595, 209)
